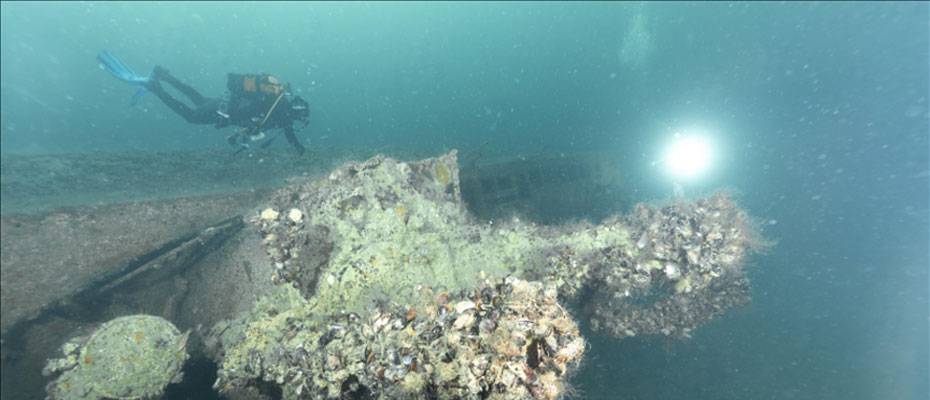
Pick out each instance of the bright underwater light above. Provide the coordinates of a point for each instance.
(688, 156)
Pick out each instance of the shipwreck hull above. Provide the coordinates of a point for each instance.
(377, 279)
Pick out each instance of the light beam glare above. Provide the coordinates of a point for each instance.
(688, 157)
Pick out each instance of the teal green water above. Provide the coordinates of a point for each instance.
(820, 112)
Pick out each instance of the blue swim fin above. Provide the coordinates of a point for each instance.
(120, 70)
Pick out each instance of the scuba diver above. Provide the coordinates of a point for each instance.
(255, 103)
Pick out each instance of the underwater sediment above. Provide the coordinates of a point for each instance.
(386, 287)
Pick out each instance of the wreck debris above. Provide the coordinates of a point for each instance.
(685, 269)
(382, 227)
(387, 287)
(534, 186)
(131, 357)
(513, 340)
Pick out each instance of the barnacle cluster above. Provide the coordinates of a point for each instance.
(299, 253)
(506, 340)
(685, 269)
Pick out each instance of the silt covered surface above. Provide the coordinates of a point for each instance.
(49, 257)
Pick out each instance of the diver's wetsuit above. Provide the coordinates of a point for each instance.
(221, 113)
(205, 108)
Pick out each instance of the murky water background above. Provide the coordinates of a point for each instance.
(820, 111)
